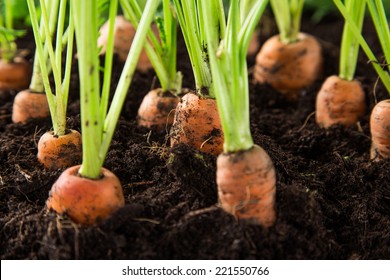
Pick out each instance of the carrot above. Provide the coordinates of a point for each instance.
(340, 101)
(124, 33)
(29, 105)
(246, 185)
(157, 109)
(56, 152)
(158, 106)
(14, 75)
(86, 201)
(89, 193)
(197, 123)
(245, 173)
(380, 130)
(289, 68)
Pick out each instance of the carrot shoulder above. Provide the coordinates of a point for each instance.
(157, 109)
(380, 130)
(15, 75)
(289, 68)
(246, 185)
(340, 101)
(86, 201)
(29, 105)
(197, 123)
(56, 152)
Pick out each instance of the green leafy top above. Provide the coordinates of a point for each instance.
(229, 66)
(288, 15)
(378, 15)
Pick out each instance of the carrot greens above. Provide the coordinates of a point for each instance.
(349, 44)
(229, 67)
(97, 123)
(52, 12)
(162, 54)
(194, 33)
(288, 15)
(378, 15)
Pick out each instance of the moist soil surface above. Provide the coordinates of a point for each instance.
(332, 202)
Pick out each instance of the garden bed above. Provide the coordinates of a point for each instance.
(331, 202)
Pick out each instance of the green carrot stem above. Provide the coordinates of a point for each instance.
(8, 14)
(40, 52)
(381, 24)
(86, 22)
(384, 75)
(69, 34)
(188, 18)
(349, 43)
(108, 60)
(126, 77)
(288, 15)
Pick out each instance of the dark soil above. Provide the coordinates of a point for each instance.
(332, 202)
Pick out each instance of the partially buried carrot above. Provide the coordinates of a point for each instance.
(197, 124)
(14, 75)
(245, 175)
(246, 185)
(29, 105)
(380, 130)
(124, 33)
(56, 152)
(341, 99)
(340, 102)
(86, 201)
(289, 68)
(157, 109)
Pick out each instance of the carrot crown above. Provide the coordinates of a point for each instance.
(98, 123)
(53, 11)
(288, 15)
(162, 54)
(379, 18)
(229, 66)
(194, 33)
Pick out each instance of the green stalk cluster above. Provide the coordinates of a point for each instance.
(349, 43)
(378, 16)
(288, 15)
(53, 11)
(194, 33)
(162, 54)
(8, 34)
(229, 66)
(98, 124)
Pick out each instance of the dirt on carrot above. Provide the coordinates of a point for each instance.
(289, 68)
(86, 201)
(246, 185)
(380, 130)
(157, 109)
(340, 102)
(197, 123)
(55, 152)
